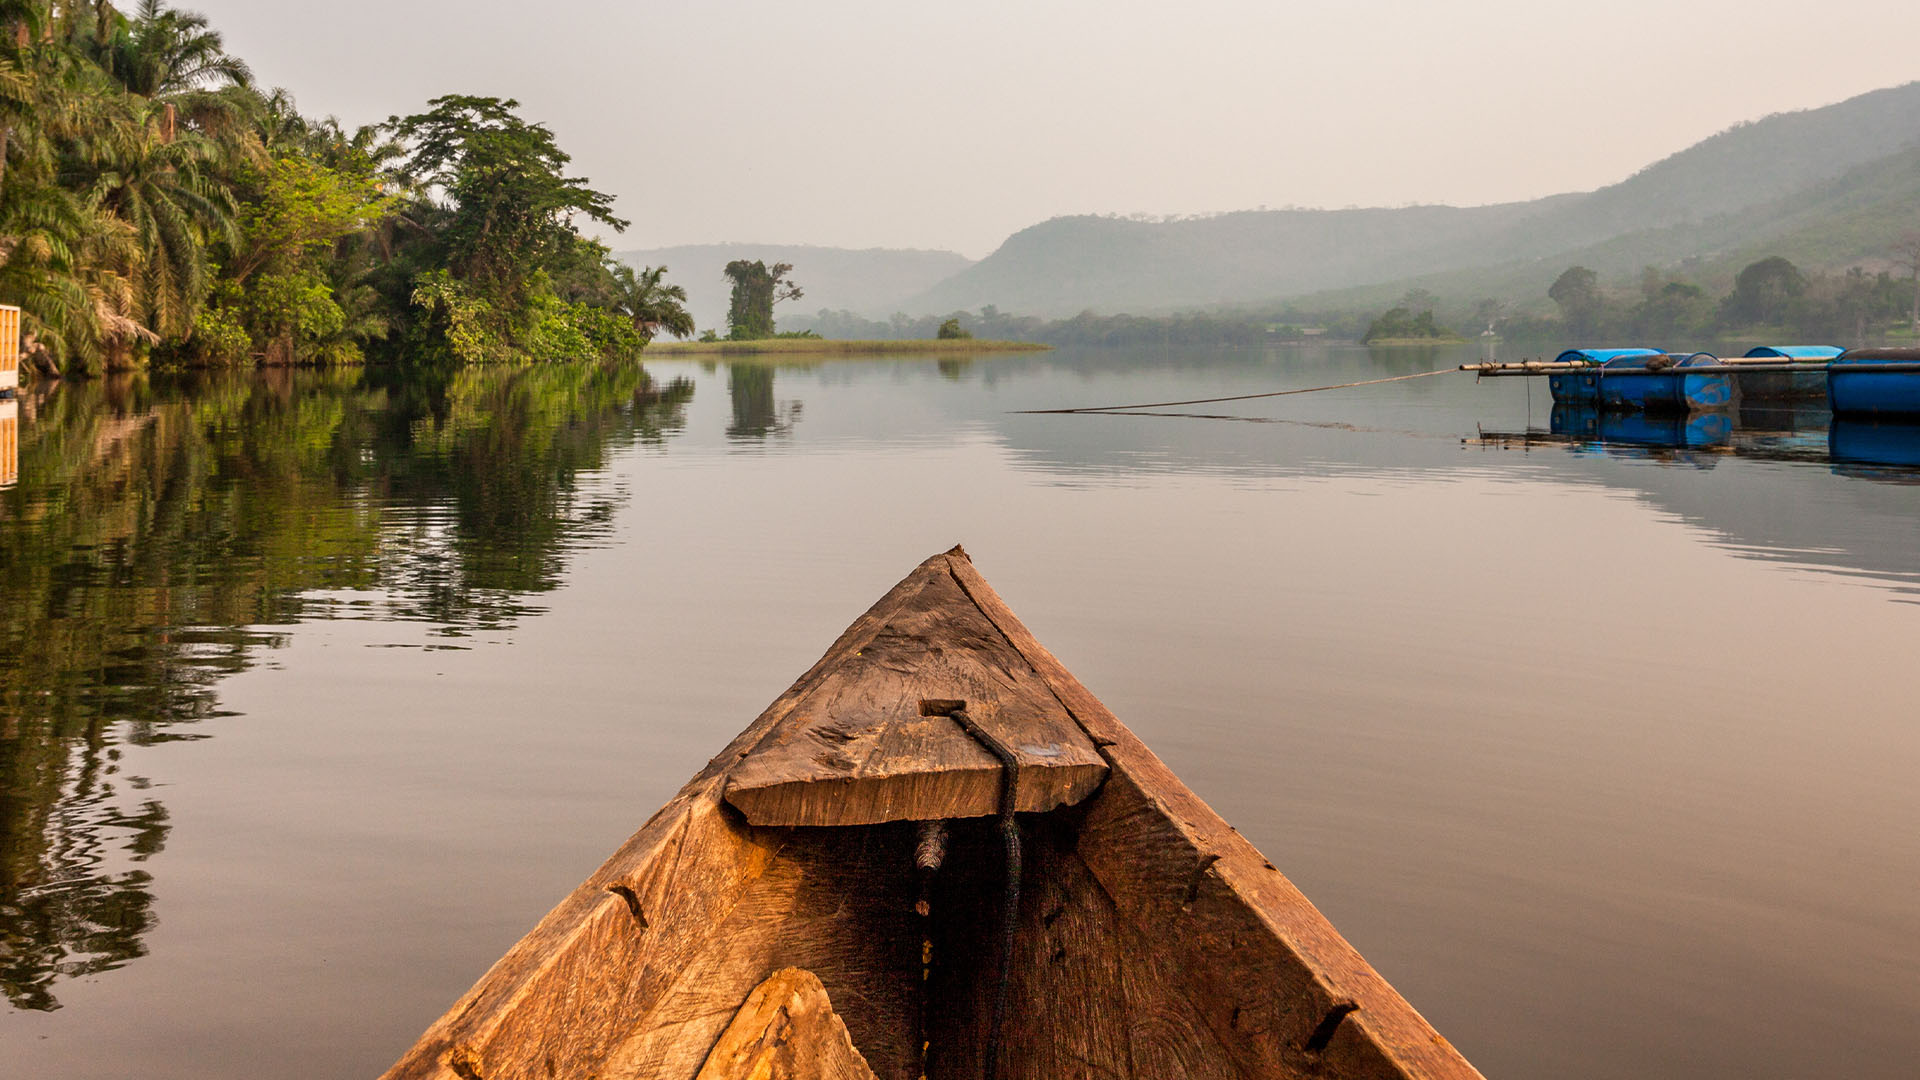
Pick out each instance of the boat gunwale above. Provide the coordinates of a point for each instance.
(1343, 1020)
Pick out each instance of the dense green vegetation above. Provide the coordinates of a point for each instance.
(164, 526)
(156, 206)
(1401, 324)
(756, 288)
(1769, 298)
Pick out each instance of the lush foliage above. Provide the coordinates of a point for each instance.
(1401, 324)
(156, 206)
(756, 288)
(1770, 298)
(166, 525)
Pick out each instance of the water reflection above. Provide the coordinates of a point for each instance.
(1781, 434)
(756, 413)
(9, 442)
(1875, 450)
(1636, 433)
(158, 528)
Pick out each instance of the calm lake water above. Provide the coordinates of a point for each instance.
(318, 689)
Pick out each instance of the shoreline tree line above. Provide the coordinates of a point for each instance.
(1769, 297)
(159, 208)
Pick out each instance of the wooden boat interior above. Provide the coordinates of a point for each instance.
(777, 919)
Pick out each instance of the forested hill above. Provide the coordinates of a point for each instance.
(1736, 179)
(874, 281)
(1848, 220)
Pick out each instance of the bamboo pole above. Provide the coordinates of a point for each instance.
(1862, 368)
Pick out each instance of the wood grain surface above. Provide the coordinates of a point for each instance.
(1154, 941)
(786, 1030)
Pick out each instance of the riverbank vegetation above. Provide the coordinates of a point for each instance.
(818, 346)
(1770, 298)
(169, 530)
(157, 207)
(1400, 326)
(1087, 328)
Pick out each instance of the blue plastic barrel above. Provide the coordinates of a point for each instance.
(1583, 387)
(1765, 385)
(1854, 389)
(1670, 390)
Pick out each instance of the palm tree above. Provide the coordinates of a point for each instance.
(164, 190)
(52, 241)
(651, 306)
(162, 53)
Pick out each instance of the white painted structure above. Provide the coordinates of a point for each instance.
(9, 347)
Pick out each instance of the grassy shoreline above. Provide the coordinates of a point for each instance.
(830, 347)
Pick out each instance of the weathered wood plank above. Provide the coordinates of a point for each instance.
(838, 903)
(786, 1030)
(1270, 975)
(524, 1018)
(1067, 1014)
(857, 750)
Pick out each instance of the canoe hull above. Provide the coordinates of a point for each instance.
(1152, 939)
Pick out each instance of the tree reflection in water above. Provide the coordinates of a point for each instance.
(159, 530)
(756, 413)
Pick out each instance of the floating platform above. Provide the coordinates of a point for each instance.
(1875, 382)
(1858, 382)
(1632, 379)
(1661, 384)
(1579, 384)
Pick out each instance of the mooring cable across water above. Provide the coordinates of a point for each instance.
(1235, 397)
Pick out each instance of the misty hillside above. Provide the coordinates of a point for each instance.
(1788, 175)
(873, 281)
(1845, 220)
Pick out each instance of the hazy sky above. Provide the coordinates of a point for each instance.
(907, 124)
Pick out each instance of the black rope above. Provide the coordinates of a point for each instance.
(928, 854)
(1235, 397)
(1010, 899)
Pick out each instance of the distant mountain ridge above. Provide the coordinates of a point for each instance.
(1794, 175)
(871, 281)
(1847, 220)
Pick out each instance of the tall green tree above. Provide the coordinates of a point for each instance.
(756, 288)
(1763, 291)
(163, 53)
(503, 183)
(1577, 292)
